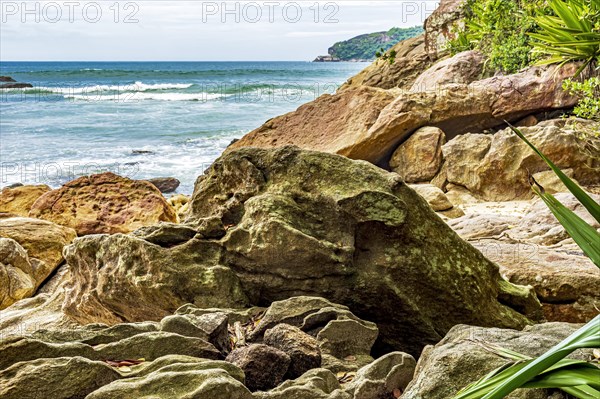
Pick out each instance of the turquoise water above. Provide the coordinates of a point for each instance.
(143, 120)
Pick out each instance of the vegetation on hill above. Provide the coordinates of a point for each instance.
(364, 47)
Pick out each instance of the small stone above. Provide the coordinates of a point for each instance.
(342, 338)
(263, 365)
(165, 184)
(303, 350)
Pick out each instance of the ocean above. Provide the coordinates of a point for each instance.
(143, 119)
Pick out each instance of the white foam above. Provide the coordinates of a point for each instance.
(133, 87)
(141, 96)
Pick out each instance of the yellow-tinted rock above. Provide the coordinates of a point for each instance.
(43, 241)
(18, 200)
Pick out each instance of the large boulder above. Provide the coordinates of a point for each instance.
(104, 203)
(330, 123)
(367, 232)
(461, 108)
(495, 167)
(18, 200)
(354, 124)
(375, 246)
(462, 358)
(411, 60)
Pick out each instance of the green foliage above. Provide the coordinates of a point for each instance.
(390, 57)
(571, 34)
(500, 29)
(588, 92)
(365, 47)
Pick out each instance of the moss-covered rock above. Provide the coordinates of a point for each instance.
(298, 223)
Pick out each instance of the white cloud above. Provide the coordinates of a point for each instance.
(192, 30)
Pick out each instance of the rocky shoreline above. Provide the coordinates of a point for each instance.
(370, 245)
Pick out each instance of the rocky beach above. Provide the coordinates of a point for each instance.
(372, 244)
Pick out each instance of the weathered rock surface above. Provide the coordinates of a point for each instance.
(345, 338)
(16, 273)
(165, 184)
(566, 282)
(419, 158)
(461, 359)
(216, 380)
(264, 366)
(354, 124)
(526, 221)
(330, 123)
(495, 167)
(533, 249)
(41, 244)
(463, 68)
(180, 203)
(104, 203)
(6, 79)
(411, 60)
(43, 240)
(315, 384)
(383, 378)
(57, 378)
(367, 232)
(460, 108)
(105, 269)
(18, 200)
(147, 345)
(303, 350)
(211, 327)
(310, 314)
(442, 26)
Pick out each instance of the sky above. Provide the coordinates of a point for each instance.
(149, 30)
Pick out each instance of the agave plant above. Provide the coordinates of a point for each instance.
(573, 34)
(551, 370)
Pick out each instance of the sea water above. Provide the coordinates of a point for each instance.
(143, 119)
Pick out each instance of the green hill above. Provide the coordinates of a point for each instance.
(363, 47)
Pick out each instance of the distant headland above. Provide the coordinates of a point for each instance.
(363, 48)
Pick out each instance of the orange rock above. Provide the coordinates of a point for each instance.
(104, 203)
